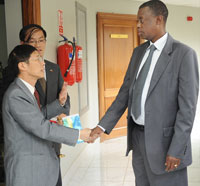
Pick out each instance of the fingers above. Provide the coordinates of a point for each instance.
(85, 134)
(59, 119)
(89, 136)
(93, 138)
(63, 94)
(95, 133)
(171, 163)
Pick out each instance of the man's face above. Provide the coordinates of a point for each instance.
(35, 66)
(38, 41)
(147, 27)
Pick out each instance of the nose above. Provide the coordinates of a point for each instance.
(138, 24)
(43, 63)
(36, 44)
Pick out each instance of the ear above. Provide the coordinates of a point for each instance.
(22, 42)
(22, 66)
(159, 20)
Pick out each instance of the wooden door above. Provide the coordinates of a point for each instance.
(117, 37)
(31, 12)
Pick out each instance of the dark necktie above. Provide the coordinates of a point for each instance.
(43, 84)
(139, 84)
(37, 97)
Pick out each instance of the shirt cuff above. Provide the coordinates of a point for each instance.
(101, 128)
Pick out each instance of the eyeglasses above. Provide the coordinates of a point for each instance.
(35, 42)
(37, 59)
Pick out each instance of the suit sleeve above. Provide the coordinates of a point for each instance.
(31, 119)
(187, 100)
(66, 107)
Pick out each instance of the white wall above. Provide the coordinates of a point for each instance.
(183, 30)
(49, 19)
(13, 13)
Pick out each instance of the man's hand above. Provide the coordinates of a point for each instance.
(172, 163)
(96, 132)
(63, 94)
(59, 118)
(85, 134)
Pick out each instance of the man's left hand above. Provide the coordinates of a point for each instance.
(172, 163)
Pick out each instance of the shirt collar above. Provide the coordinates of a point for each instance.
(160, 43)
(30, 87)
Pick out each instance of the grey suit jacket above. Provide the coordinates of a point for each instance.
(170, 105)
(30, 158)
(54, 83)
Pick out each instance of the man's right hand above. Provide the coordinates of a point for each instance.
(85, 134)
(96, 132)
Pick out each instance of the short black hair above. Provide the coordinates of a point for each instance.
(20, 53)
(27, 31)
(157, 7)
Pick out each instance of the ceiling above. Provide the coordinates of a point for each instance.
(193, 3)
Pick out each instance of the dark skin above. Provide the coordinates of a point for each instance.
(152, 28)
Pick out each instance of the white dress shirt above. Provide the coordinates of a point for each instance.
(30, 87)
(159, 44)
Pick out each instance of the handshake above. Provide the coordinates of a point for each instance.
(90, 135)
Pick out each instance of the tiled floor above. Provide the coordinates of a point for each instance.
(105, 164)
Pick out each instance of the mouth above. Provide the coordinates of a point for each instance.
(140, 32)
(39, 50)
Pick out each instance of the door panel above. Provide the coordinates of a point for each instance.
(117, 52)
(117, 37)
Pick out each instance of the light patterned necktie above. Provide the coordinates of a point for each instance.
(139, 84)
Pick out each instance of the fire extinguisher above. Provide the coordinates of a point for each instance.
(78, 62)
(65, 56)
(69, 57)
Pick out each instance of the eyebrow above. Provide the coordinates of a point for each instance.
(42, 37)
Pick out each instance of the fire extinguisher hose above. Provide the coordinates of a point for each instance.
(73, 54)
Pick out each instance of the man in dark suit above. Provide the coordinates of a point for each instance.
(48, 87)
(160, 89)
(30, 158)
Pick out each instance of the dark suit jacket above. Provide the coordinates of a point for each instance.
(54, 83)
(170, 104)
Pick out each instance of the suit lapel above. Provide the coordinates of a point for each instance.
(161, 64)
(50, 79)
(25, 89)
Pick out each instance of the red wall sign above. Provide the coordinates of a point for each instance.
(60, 21)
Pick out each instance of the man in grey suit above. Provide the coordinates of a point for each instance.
(50, 86)
(30, 158)
(160, 89)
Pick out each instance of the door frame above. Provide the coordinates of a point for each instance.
(31, 12)
(101, 17)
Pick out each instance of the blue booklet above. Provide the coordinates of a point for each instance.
(73, 121)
